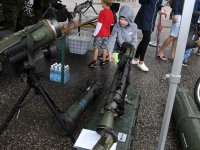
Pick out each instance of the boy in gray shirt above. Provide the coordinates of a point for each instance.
(125, 30)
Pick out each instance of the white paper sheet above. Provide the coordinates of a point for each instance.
(88, 138)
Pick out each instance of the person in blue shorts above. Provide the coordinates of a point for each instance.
(176, 19)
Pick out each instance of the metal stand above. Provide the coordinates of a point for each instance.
(33, 82)
(90, 6)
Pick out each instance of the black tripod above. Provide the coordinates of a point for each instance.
(90, 5)
(33, 82)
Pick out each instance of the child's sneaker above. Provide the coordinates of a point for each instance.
(93, 64)
(103, 64)
(185, 64)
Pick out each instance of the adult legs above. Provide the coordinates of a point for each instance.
(165, 44)
(141, 50)
(173, 50)
(142, 47)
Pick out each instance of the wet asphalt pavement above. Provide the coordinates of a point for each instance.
(34, 126)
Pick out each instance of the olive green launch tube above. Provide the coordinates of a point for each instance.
(187, 119)
(74, 112)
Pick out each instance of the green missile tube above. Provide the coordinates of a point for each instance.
(187, 119)
(74, 112)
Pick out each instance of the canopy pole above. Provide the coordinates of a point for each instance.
(174, 77)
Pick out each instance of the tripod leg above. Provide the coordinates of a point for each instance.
(94, 9)
(52, 102)
(49, 102)
(15, 109)
(86, 9)
(53, 108)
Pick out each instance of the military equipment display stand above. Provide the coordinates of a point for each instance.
(33, 82)
(125, 125)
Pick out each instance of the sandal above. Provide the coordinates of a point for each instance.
(172, 59)
(162, 57)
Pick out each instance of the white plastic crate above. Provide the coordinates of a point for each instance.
(59, 41)
(79, 43)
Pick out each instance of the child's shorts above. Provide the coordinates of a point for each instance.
(175, 27)
(100, 42)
